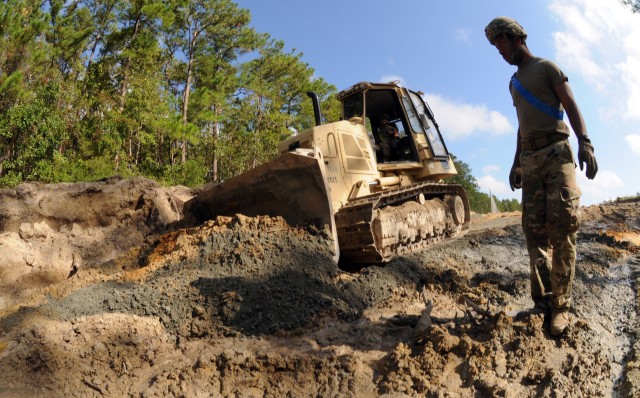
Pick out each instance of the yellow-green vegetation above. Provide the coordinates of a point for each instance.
(180, 91)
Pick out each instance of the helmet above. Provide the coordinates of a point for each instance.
(501, 25)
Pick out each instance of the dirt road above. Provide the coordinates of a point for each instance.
(251, 307)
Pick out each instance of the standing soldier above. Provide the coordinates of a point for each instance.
(544, 168)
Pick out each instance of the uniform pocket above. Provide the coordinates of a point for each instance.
(569, 194)
(568, 214)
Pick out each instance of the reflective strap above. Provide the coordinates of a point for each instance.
(533, 100)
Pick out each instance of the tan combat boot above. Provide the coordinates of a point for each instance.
(541, 306)
(559, 322)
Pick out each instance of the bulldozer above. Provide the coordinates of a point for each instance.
(374, 179)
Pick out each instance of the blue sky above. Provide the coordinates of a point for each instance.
(439, 47)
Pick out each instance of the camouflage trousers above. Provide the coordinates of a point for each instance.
(550, 219)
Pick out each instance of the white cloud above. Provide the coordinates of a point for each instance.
(634, 142)
(576, 55)
(630, 72)
(600, 40)
(459, 120)
(499, 188)
(464, 35)
(489, 169)
(605, 186)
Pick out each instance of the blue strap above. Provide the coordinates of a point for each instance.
(533, 100)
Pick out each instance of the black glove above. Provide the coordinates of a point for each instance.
(586, 155)
(515, 177)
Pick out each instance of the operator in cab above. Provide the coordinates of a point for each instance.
(387, 138)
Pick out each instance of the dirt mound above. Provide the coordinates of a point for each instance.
(48, 232)
(253, 307)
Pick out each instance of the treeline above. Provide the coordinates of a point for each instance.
(181, 91)
(479, 202)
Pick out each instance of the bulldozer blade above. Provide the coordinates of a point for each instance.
(292, 186)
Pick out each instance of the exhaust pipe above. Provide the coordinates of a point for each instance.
(316, 107)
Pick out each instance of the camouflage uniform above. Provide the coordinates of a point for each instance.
(550, 196)
(544, 168)
(550, 219)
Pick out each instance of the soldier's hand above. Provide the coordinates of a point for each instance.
(586, 155)
(515, 177)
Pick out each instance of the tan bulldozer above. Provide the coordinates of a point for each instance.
(374, 179)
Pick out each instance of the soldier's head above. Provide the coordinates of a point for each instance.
(508, 36)
(504, 25)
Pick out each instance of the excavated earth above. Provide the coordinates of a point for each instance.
(103, 293)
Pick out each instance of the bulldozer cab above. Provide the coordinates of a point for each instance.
(401, 126)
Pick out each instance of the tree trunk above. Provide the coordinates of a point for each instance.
(256, 133)
(94, 48)
(187, 91)
(214, 165)
(185, 107)
(127, 64)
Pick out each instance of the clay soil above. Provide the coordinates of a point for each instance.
(253, 307)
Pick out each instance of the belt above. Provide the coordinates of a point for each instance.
(543, 142)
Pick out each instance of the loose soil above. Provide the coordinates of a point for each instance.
(253, 307)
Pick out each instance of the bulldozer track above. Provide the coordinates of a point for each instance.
(355, 229)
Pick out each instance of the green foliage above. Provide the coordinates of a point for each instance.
(507, 205)
(176, 90)
(22, 52)
(30, 132)
(10, 179)
(190, 173)
(62, 169)
(181, 91)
